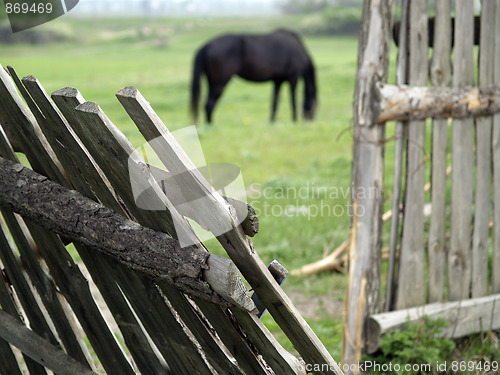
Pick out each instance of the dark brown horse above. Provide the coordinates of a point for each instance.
(279, 57)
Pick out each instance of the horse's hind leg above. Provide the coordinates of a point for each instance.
(214, 93)
(293, 85)
(277, 85)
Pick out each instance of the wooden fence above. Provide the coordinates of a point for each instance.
(178, 310)
(446, 264)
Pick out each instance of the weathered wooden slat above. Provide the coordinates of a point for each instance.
(234, 341)
(74, 158)
(440, 76)
(23, 290)
(8, 305)
(215, 215)
(459, 259)
(16, 116)
(464, 318)
(61, 316)
(411, 284)
(482, 205)
(8, 361)
(367, 179)
(496, 167)
(37, 347)
(419, 102)
(400, 136)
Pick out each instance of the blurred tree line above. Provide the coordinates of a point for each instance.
(327, 16)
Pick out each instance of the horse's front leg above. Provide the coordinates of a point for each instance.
(277, 86)
(293, 85)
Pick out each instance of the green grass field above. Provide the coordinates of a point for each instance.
(297, 174)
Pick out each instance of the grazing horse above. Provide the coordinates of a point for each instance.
(279, 56)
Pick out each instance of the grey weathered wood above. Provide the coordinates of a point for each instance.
(37, 347)
(10, 307)
(401, 78)
(8, 361)
(411, 256)
(235, 341)
(63, 269)
(418, 103)
(464, 318)
(23, 124)
(219, 219)
(495, 283)
(281, 361)
(223, 277)
(65, 272)
(61, 315)
(18, 279)
(459, 259)
(482, 205)
(440, 76)
(367, 179)
(79, 166)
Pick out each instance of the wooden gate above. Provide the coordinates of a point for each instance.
(448, 263)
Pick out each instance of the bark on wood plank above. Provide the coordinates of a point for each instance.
(459, 260)
(68, 213)
(440, 76)
(411, 256)
(38, 348)
(482, 205)
(219, 220)
(420, 102)
(496, 168)
(464, 318)
(367, 176)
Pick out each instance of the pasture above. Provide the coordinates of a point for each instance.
(297, 175)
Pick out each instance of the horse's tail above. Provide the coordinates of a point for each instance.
(195, 84)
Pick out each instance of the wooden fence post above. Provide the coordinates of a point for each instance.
(367, 178)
